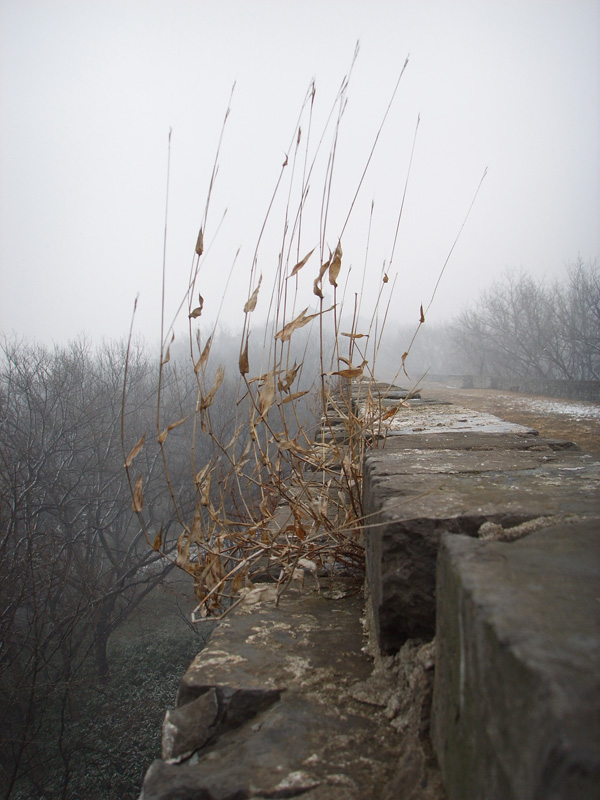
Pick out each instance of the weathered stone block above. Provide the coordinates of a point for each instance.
(266, 709)
(516, 712)
(454, 483)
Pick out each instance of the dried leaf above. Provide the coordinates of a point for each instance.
(404, 357)
(251, 302)
(285, 334)
(355, 335)
(167, 357)
(322, 271)
(391, 412)
(218, 380)
(198, 310)
(138, 499)
(134, 451)
(238, 582)
(267, 396)
(422, 316)
(234, 438)
(201, 475)
(244, 363)
(200, 243)
(336, 265)
(183, 551)
(356, 372)
(324, 267)
(158, 540)
(291, 444)
(385, 277)
(300, 264)
(163, 434)
(205, 493)
(204, 356)
(196, 531)
(291, 397)
(290, 375)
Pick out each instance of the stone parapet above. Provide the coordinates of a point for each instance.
(478, 533)
(516, 708)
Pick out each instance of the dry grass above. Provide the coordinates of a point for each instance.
(279, 500)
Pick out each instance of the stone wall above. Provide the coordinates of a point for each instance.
(488, 536)
(473, 673)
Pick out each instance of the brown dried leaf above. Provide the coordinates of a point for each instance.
(198, 310)
(134, 451)
(324, 267)
(158, 540)
(355, 335)
(291, 397)
(205, 493)
(244, 364)
(336, 265)
(251, 302)
(285, 334)
(422, 316)
(267, 396)
(404, 357)
(385, 277)
(290, 375)
(356, 372)
(300, 264)
(183, 551)
(204, 356)
(167, 357)
(201, 475)
(291, 444)
(138, 498)
(196, 531)
(163, 434)
(208, 399)
(322, 271)
(238, 582)
(391, 412)
(200, 243)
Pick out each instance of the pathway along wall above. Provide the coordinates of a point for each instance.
(479, 533)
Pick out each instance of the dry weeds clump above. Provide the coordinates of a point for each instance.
(279, 497)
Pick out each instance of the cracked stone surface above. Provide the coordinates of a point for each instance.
(267, 709)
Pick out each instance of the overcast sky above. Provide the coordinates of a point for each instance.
(89, 91)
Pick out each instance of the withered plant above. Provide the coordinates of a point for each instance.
(279, 496)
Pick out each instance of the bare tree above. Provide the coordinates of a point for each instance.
(74, 562)
(520, 327)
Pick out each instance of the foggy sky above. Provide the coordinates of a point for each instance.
(89, 91)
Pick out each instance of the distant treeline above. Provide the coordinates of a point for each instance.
(518, 327)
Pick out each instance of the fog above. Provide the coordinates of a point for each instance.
(90, 92)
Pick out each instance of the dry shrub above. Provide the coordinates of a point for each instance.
(278, 499)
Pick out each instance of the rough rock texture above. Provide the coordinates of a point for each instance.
(279, 704)
(517, 685)
(425, 484)
(286, 701)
